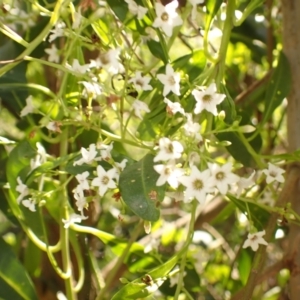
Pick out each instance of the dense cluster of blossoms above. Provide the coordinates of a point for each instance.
(194, 180)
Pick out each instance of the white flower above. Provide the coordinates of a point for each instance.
(108, 61)
(54, 126)
(268, 199)
(173, 107)
(77, 68)
(81, 202)
(170, 80)
(104, 180)
(198, 185)
(73, 218)
(40, 158)
(141, 83)
(192, 129)
(77, 19)
(53, 54)
(136, 9)
(244, 183)
(88, 156)
(208, 99)
(105, 151)
(222, 176)
(29, 108)
(254, 239)
(174, 279)
(82, 179)
(120, 167)
(273, 173)
(167, 17)
(91, 89)
(168, 173)
(194, 158)
(139, 106)
(177, 196)
(57, 31)
(22, 189)
(168, 150)
(194, 5)
(30, 204)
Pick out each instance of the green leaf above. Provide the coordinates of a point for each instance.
(137, 289)
(14, 274)
(157, 50)
(278, 88)
(212, 7)
(228, 106)
(244, 266)
(119, 7)
(139, 191)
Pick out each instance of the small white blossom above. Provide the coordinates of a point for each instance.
(30, 204)
(73, 218)
(170, 80)
(53, 54)
(22, 189)
(273, 173)
(198, 185)
(139, 106)
(105, 151)
(254, 239)
(82, 179)
(174, 279)
(91, 89)
(104, 180)
(29, 108)
(120, 167)
(173, 107)
(222, 176)
(141, 83)
(54, 126)
(58, 31)
(77, 68)
(77, 19)
(208, 99)
(244, 183)
(167, 17)
(268, 199)
(81, 202)
(135, 9)
(108, 61)
(168, 150)
(88, 156)
(192, 129)
(168, 173)
(40, 158)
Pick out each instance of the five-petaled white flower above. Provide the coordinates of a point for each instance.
(192, 129)
(141, 83)
(135, 9)
(73, 218)
(208, 99)
(170, 80)
(81, 202)
(82, 180)
(254, 239)
(139, 106)
(77, 68)
(108, 61)
(173, 107)
(22, 189)
(244, 183)
(57, 31)
(53, 54)
(91, 89)
(105, 151)
(104, 180)
(198, 185)
(29, 108)
(88, 156)
(168, 173)
(167, 17)
(168, 150)
(30, 204)
(222, 176)
(274, 173)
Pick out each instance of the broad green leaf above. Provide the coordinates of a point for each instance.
(137, 289)
(157, 50)
(228, 106)
(278, 88)
(14, 274)
(119, 7)
(139, 191)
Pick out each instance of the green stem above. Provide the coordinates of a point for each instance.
(185, 249)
